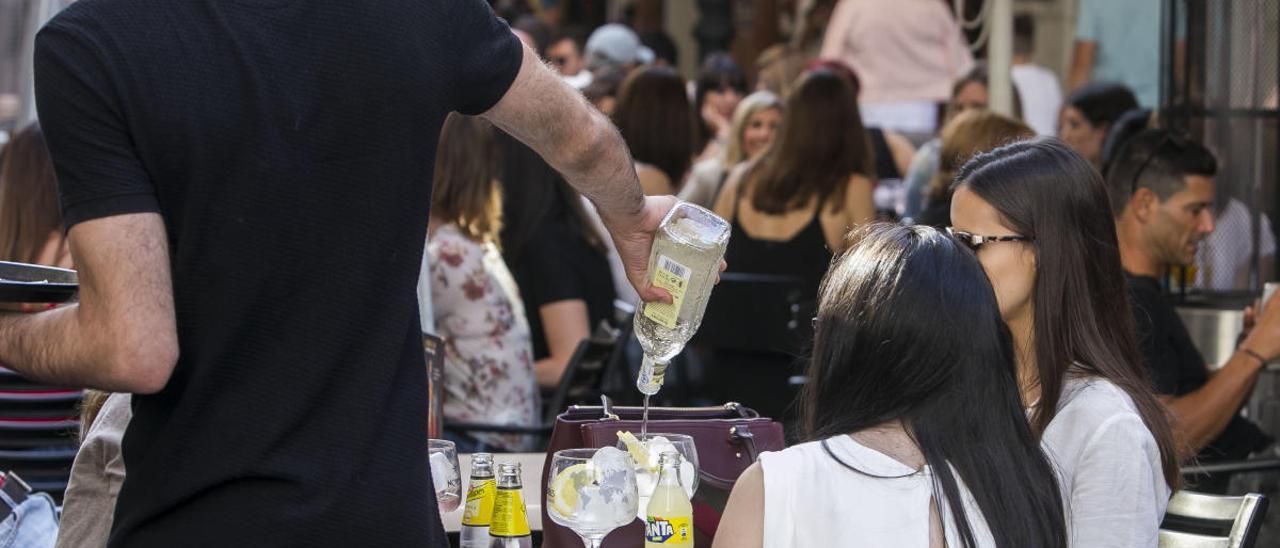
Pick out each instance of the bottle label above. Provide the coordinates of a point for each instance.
(673, 530)
(673, 277)
(509, 517)
(480, 498)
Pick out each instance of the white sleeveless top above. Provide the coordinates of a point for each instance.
(1108, 467)
(810, 499)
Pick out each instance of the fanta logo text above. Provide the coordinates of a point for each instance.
(658, 530)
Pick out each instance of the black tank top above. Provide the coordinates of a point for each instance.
(805, 255)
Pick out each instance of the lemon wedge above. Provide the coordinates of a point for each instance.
(563, 492)
(636, 447)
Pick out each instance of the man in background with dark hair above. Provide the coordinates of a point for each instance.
(564, 52)
(1161, 187)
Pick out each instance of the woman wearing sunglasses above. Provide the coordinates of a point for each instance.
(1038, 218)
(900, 452)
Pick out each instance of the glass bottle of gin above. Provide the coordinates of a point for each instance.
(687, 250)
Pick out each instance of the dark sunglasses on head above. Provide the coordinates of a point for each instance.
(974, 241)
(1179, 142)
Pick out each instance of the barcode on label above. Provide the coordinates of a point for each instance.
(674, 268)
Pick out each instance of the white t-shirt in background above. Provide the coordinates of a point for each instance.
(1041, 97)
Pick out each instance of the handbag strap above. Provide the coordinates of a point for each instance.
(738, 435)
(607, 412)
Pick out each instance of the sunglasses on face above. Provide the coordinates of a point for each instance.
(975, 242)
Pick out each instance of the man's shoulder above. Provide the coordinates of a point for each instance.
(101, 25)
(96, 14)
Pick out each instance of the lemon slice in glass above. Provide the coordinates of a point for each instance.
(564, 488)
(636, 447)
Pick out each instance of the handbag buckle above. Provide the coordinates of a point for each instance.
(606, 408)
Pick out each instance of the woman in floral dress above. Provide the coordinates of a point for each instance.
(488, 375)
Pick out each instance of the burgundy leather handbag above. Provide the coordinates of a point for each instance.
(729, 438)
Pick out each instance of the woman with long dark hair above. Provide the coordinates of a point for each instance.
(557, 257)
(790, 211)
(655, 118)
(720, 86)
(917, 428)
(1038, 217)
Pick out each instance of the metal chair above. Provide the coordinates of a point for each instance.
(1197, 520)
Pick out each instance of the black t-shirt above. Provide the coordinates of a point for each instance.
(1177, 368)
(289, 147)
(559, 265)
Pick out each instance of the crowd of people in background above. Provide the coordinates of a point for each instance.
(1054, 247)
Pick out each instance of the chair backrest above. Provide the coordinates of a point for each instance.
(1198, 520)
(758, 313)
(584, 375)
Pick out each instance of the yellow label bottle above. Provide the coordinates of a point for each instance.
(509, 527)
(669, 517)
(480, 498)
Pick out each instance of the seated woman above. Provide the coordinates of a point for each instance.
(969, 133)
(560, 262)
(789, 211)
(655, 118)
(755, 123)
(719, 89)
(488, 361)
(1088, 114)
(969, 93)
(1039, 218)
(891, 152)
(901, 453)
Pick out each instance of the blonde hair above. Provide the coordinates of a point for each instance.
(748, 107)
(466, 190)
(778, 69)
(966, 135)
(90, 405)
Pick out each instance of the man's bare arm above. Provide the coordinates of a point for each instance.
(547, 114)
(122, 335)
(1081, 64)
(1200, 416)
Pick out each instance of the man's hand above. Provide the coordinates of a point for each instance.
(1264, 338)
(634, 240)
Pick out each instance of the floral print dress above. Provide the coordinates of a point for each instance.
(488, 364)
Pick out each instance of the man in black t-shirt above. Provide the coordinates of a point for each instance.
(246, 186)
(1161, 188)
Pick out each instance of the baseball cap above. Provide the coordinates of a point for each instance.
(615, 44)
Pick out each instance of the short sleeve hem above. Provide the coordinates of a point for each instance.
(489, 96)
(122, 204)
